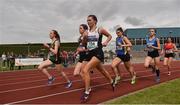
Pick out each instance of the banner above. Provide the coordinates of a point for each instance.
(28, 61)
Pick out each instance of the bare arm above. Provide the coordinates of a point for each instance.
(107, 34)
(127, 42)
(55, 50)
(158, 45)
(175, 48)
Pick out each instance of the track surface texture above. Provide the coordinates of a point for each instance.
(30, 86)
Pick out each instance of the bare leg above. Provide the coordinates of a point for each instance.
(91, 64)
(77, 69)
(104, 72)
(114, 66)
(59, 68)
(147, 61)
(43, 67)
(169, 65)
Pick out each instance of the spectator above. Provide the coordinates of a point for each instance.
(8, 59)
(20, 56)
(4, 58)
(12, 61)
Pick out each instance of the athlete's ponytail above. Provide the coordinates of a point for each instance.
(56, 35)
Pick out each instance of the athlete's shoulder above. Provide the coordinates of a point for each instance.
(99, 29)
(156, 38)
(57, 42)
(125, 37)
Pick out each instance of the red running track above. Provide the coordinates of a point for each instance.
(29, 87)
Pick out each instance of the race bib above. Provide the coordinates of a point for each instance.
(168, 51)
(119, 48)
(92, 42)
(92, 45)
(149, 48)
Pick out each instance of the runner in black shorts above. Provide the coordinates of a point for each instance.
(152, 47)
(169, 51)
(95, 55)
(81, 50)
(122, 46)
(54, 58)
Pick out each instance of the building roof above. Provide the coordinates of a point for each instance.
(161, 32)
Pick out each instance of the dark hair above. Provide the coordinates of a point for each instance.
(170, 38)
(85, 27)
(94, 18)
(56, 34)
(153, 29)
(120, 29)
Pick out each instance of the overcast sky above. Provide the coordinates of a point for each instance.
(29, 21)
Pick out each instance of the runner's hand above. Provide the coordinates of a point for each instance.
(104, 44)
(46, 45)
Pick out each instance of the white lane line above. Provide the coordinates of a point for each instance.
(50, 95)
(28, 76)
(52, 84)
(40, 75)
(55, 76)
(33, 80)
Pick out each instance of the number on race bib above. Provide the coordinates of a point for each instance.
(168, 51)
(119, 48)
(92, 45)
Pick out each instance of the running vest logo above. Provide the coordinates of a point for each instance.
(92, 42)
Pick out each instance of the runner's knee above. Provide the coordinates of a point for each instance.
(146, 65)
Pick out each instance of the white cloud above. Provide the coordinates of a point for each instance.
(31, 20)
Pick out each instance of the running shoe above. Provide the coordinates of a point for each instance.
(113, 85)
(133, 80)
(117, 79)
(50, 81)
(84, 97)
(69, 84)
(157, 79)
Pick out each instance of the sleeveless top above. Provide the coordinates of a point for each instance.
(51, 54)
(119, 49)
(94, 40)
(80, 41)
(168, 47)
(152, 42)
